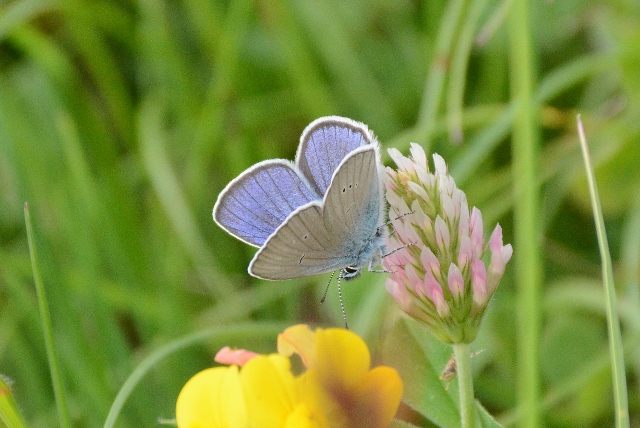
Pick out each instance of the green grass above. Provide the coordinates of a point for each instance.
(120, 122)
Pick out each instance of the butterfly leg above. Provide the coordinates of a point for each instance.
(326, 290)
(376, 260)
(324, 296)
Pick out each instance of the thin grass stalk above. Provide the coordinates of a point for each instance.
(210, 123)
(47, 329)
(574, 385)
(621, 407)
(172, 197)
(526, 214)
(354, 79)
(217, 334)
(438, 69)
(631, 253)
(494, 22)
(313, 94)
(630, 262)
(459, 66)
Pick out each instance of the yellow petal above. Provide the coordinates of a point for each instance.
(269, 390)
(343, 357)
(378, 396)
(303, 417)
(298, 339)
(371, 402)
(313, 391)
(212, 399)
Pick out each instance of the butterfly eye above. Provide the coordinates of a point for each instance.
(350, 272)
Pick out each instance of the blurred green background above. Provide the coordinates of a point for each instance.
(120, 122)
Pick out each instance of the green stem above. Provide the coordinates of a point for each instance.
(459, 66)
(465, 383)
(527, 230)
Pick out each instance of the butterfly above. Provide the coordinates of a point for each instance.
(325, 212)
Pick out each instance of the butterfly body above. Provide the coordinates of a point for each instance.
(320, 214)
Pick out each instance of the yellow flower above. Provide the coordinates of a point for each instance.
(337, 390)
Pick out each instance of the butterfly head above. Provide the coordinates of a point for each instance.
(350, 272)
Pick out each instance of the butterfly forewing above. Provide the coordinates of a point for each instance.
(324, 145)
(351, 206)
(327, 236)
(256, 203)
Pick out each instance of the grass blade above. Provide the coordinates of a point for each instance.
(613, 322)
(9, 414)
(54, 368)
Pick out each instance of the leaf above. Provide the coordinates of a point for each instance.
(486, 420)
(423, 390)
(401, 424)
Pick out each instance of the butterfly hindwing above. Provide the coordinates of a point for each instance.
(302, 246)
(258, 201)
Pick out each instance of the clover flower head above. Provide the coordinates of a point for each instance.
(438, 275)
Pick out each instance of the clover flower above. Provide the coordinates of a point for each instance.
(338, 389)
(439, 277)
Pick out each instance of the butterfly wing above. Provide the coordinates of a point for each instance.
(327, 236)
(259, 200)
(325, 143)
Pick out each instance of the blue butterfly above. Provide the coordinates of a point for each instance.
(322, 213)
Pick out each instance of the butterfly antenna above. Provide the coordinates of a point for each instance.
(344, 314)
(327, 289)
(398, 249)
(402, 215)
(390, 222)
